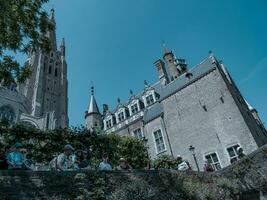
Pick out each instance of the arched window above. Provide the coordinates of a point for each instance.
(7, 113)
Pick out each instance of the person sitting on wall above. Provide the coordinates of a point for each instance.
(104, 165)
(123, 166)
(207, 167)
(240, 152)
(15, 158)
(28, 164)
(77, 159)
(63, 161)
(85, 162)
(183, 165)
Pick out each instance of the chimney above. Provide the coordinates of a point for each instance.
(163, 76)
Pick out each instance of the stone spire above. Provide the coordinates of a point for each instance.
(93, 108)
(52, 34)
(93, 117)
(53, 15)
(63, 47)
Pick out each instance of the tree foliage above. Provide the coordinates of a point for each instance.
(165, 162)
(43, 146)
(23, 28)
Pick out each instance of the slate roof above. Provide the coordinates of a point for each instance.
(93, 108)
(153, 112)
(165, 91)
(178, 84)
(182, 81)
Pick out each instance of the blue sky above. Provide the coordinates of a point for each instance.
(115, 42)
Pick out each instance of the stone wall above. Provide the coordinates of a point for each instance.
(243, 180)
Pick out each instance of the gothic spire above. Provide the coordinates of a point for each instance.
(52, 34)
(63, 47)
(53, 15)
(93, 108)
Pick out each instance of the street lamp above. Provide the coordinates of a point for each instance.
(192, 150)
(145, 140)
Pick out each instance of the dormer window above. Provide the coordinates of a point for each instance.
(121, 116)
(134, 108)
(109, 123)
(149, 99)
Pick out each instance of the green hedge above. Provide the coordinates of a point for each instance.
(43, 146)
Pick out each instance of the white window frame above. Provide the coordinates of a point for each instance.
(141, 131)
(107, 122)
(134, 102)
(148, 93)
(136, 108)
(152, 100)
(121, 116)
(213, 164)
(236, 154)
(165, 147)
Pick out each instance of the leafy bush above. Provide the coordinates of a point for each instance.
(165, 162)
(44, 146)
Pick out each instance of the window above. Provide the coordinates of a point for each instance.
(134, 108)
(138, 133)
(149, 99)
(7, 113)
(232, 151)
(160, 146)
(121, 116)
(50, 69)
(56, 72)
(109, 123)
(213, 161)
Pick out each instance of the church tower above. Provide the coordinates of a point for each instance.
(47, 87)
(93, 118)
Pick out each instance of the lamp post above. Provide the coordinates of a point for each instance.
(192, 150)
(144, 139)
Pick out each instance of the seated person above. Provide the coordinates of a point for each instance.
(15, 159)
(124, 166)
(104, 165)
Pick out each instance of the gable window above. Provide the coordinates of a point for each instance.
(213, 161)
(232, 151)
(121, 116)
(138, 133)
(109, 123)
(134, 108)
(149, 99)
(159, 141)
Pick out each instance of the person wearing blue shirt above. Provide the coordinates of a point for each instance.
(104, 165)
(15, 159)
